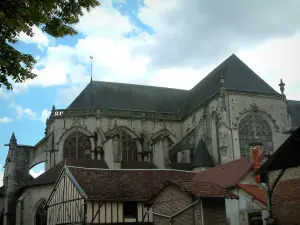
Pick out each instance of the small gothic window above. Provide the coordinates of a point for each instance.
(77, 145)
(40, 217)
(128, 146)
(251, 127)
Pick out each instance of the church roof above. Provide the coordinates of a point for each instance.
(294, 110)
(108, 95)
(238, 77)
(202, 157)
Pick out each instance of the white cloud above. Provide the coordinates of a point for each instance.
(27, 113)
(5, 119)
(40, 38)
(189, 40)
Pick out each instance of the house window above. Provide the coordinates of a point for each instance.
(130, 209)
(77, 145)
(252, 127)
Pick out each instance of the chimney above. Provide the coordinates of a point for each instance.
(256, 151)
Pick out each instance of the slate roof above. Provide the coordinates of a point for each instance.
(239, 77)
(50, 176)
(124, 185)
(227, 175)
(286, 202)
(258, 193)
(110, 95)
(200, 189)
(294, 110)
(202, 157)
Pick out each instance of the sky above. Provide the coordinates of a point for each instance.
(168, 43)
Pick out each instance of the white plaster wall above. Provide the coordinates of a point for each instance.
(238, 211)
(30, 200)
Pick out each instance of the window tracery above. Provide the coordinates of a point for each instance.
(126, 147)
(77, 145)
(40, 217)
(252, 127)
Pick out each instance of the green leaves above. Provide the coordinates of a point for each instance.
(55, 17)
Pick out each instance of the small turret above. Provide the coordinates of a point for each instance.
(282, 85)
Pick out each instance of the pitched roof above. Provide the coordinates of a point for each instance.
(202, 157)
(294, 110)
(137, 165)
(286, 202)
(238, 77)
(50, 176)
(226, 175)
(258, 193)
(124, 185)
(204, 189)
(110, 95)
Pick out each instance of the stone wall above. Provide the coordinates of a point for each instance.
(29, 201)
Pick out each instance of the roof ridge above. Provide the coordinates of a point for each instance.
(80, 167)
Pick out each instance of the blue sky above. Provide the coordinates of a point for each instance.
(163, 43)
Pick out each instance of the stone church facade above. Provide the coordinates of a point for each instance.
(126, 126)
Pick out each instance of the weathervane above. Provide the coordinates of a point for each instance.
(91, 57)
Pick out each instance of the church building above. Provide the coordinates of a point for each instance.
(128, 127)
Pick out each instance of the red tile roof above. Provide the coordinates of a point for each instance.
(286, 202)
(258, 193)
(124, 185)
(228, 174)
(204, 189)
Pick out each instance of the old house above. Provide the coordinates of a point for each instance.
(99, 196)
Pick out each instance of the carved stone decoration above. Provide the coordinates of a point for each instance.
(223, 135)
(223, 151)
(254, 107)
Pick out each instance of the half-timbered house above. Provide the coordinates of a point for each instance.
(97, 196)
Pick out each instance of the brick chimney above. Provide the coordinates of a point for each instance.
(256, 151)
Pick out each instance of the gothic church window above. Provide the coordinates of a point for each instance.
(40, 217)
(252, 127)
(77, 145)
(128, 147)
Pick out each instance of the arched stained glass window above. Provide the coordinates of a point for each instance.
(40, 217)
(128, 147)
(77, 145)
(251, 127)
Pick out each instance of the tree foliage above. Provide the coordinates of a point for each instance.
(55, 17)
